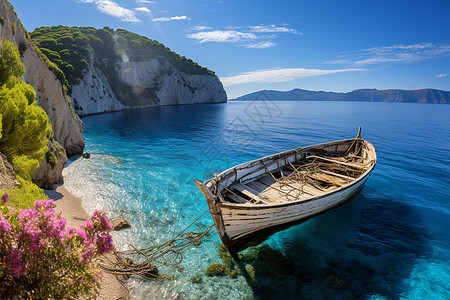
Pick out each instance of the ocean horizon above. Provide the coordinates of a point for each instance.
(390, 242)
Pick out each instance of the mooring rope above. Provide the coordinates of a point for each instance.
(168, 253)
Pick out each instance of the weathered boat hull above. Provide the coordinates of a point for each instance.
(240, 225)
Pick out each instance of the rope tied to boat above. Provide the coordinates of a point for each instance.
(168, 253)
(292, 185)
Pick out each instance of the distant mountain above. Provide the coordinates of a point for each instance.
(366, 95)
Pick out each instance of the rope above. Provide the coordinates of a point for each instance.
(168, 253)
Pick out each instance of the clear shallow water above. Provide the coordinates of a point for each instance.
(391, 242)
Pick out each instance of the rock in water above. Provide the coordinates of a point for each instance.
(333, 281)
(196, 279)
(119, 223)
(216, 270)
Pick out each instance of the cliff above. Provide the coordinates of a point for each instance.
(110, 70)
(366, 95)
(147, 83)
(49, 93)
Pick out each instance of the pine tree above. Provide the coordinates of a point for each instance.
(24, 126)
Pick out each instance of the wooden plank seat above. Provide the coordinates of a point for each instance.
(249, 192)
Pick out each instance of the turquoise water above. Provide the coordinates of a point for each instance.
(391, 242)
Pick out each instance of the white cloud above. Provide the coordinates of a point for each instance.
(200, 28)
(145, 1)
(277, 75)
(441, 75)
(113, 9)
(394, 54)
(261, 45)
(221, 36)
(142, 9)
(273, 29)
(233, 27)
(166, 19)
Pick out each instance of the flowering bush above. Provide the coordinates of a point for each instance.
(40, 258)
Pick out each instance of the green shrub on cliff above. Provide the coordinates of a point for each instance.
(25, 195)
(25, 128)
(72, 46)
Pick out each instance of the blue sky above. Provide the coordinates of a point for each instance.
(252, 45)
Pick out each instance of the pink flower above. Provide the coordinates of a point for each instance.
(82, 234)
(5, 226)
(104, 243)
(5, 198)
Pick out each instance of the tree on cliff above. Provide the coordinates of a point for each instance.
(25, 129)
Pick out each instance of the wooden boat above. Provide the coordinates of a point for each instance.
(253, 200)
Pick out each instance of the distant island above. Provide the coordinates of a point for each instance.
(365, 95)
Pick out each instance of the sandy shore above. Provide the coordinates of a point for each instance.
(71, 209)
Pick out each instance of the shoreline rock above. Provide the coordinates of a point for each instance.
(119, 223)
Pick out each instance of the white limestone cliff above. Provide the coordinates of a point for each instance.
(94, 94)
(154, 82)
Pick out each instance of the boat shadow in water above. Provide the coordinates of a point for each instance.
(367, 247)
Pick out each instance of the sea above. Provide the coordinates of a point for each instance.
(390, 242)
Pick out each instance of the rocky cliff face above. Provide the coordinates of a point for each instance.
(49, 92)
(7, 174)
(94, 94)
(153, 82)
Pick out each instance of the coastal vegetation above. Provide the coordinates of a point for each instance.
(71, 49)
(24, 126)
(42, 259)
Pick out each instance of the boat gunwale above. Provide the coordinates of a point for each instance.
(245, 165)
(252, 206)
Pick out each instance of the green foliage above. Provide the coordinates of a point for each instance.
(25, 195)
(72, 45)
(25, 166)
(51, 158)
(25, 32)
(22, 48)
(10, 64)
(51, 66)
(25, 126)
(2, 21)
(13, 27)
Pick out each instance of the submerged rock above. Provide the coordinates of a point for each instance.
(232, 273)
(268, 262)
(333, 281)
(196, 279)
(216, 270)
